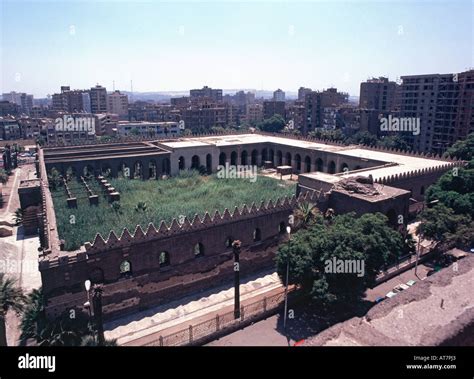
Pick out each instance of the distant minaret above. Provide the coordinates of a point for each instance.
(131, 90)
(113, 85)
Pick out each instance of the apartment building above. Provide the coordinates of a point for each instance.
(117, 103)
(443, 103)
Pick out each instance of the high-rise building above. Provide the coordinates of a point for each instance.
(7, 108)
(378, 94)
(443, 103)
(295, 114)
(202, 117)
(332, 98)
(206, 92)
(117, 103)
(302, 91)
(272, 107)
(313, 112)
(253, 113)
(98, 96)
(23, 100)
(71, 101)
(279, 95)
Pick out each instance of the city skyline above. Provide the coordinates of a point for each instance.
(316, 44)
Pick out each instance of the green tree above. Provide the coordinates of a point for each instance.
(33, 319)
(274, 124)
(364, 138)
(91, 340)
(11, 298)
(394, 142)
(65, 330)
(305, 214)
(463, 149)
(54, 178)
(443, 225)
(368, 239)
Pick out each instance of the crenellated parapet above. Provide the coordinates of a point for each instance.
(164, 230)
(391, 179)
(132, 139)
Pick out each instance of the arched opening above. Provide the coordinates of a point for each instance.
(166, 166)
(124, 171)
(209, 163)
(279, 158)
(282, 227)
(164, 259)
(307, 164)
(392, 217)
(198, 250)
(254, 158)
(264, 155)
(195, 162)
(344, 167)
(152, 171)
(125, 268)
(298, 162)
(257, 235)
(181, 163)
(271, 157)
(233, 158)
(422, 190)
(228, 242)
(96, 275)
(222, 159)
(319, 165)
(243, 158)
(138, 170)
(332, 167)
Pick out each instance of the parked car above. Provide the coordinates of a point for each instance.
(390, 294)
(411, 283)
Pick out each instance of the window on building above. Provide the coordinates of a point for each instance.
(125, 268)
(198, 250)
(164, 259)
(257, 235)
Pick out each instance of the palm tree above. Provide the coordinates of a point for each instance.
(11, 298)
(90, 340)
(304, 214)
(18, 216)
(64, 331)
(34, 319)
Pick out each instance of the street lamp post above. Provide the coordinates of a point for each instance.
(288, 230)
(420, 236)
(97, 303)
(236, 249)
(87, 304)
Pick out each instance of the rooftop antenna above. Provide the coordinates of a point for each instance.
(113, 85)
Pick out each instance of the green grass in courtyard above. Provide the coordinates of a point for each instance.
(187, 194)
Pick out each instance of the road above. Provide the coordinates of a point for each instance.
(270, 332)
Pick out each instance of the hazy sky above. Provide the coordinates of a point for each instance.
(178, 45)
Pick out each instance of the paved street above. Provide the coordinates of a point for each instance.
(18, 254)
(270, 332)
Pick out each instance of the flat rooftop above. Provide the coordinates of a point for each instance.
(400, 163)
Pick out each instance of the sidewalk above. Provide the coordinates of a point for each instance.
(147, 326)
